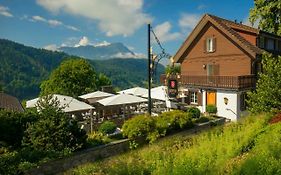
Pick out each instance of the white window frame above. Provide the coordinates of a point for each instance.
(210, 45)
(193, 98)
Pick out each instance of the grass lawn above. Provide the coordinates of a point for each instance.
(250, 146)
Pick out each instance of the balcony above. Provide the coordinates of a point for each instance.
(224, 82)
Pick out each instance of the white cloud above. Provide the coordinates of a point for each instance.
(51, 22)
(83, 42)
(128, 55)
(52, 47)
(163, 32)
(114, 17)
(54, 23)
(38, 18)
(103, 43)
(5, 11)
(72, 28)
(188, 21)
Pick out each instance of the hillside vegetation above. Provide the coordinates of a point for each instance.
(250, 146)
(23, 68)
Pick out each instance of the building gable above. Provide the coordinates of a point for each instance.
(241, 42)
(228, 57)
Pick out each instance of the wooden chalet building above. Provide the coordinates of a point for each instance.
(219, 61)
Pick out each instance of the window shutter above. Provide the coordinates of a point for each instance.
(214, 44)
(216, 69)
(242, 102)
(199, 98)
(205, 45)
(188, 97)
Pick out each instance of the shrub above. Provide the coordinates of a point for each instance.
(211, 109)
(172, 120)
(138, 127)
(107, 127)
(13, 125)
(54, 131)
(202, 120)
(96, 139)
(195, 112)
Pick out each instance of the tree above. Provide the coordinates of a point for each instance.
(267, 95)
(173, 69)
(54, 130)
(102, 80)
(268, 13)
(73, 78)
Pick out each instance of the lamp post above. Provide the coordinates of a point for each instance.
(149, 71)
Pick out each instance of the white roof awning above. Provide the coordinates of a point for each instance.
(137, 91)
(158, 93)
(121, 99)
(69, 104)
(96, 94)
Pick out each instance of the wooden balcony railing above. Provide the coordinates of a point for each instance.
(229, 82)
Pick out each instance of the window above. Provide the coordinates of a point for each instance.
(279, 45)
(210, 44)
(261, 42)
(193, 98)
(270, 44)
(243, 104)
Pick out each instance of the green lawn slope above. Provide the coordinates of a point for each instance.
(250, 146)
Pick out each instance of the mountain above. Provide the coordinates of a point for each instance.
(99, 52)
(23, 68)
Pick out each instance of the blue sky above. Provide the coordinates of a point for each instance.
(54, 23)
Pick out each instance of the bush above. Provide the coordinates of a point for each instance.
(172, 120)
(107, 127)
(202, 120)
(138, 127)
(195, 112)
(96, 139)
(211, 109)
(13, 125)
(54, 130)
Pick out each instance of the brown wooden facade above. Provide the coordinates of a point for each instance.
(235, 57)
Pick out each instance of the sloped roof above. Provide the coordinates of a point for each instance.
(225, 26)
(69, 104)
(10, 103)
(96, 94)
(137, 91)
(158, 93)
(121, 99)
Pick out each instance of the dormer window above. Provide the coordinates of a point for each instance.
(210, 44)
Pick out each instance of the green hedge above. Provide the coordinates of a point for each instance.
(211, 109)
(194, 112)
(107, 127)
(151, 128)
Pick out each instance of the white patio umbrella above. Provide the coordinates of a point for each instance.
(69, 104)
(136, 91)
(121, 99)
(158, 93)
(96, 94)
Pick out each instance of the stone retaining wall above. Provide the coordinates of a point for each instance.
(86, 156)
(93, 154)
